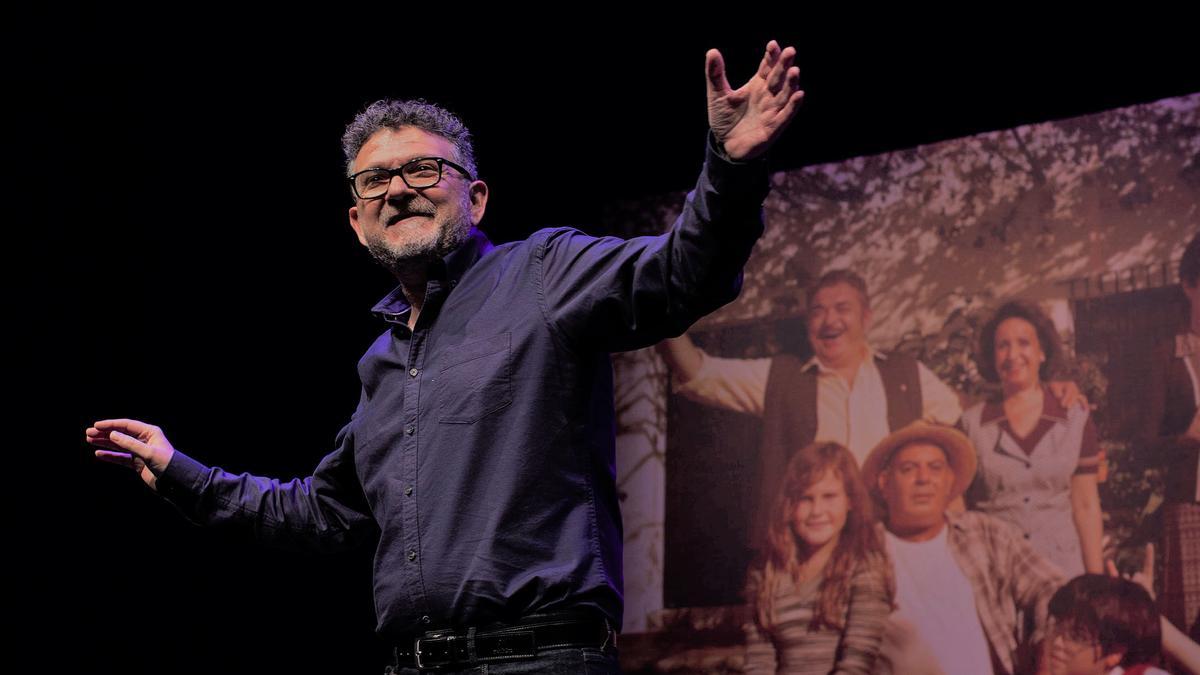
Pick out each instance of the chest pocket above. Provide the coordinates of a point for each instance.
(475, 381)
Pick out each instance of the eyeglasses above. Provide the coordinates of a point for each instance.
(419, 173)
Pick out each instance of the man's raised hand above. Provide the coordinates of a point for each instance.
(748, 120)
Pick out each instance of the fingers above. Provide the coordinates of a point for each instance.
(779, 72)
(119, 458)
(794, 101)
(770, 57)
(1148, 565)
(125, 443)
(714, 68)
(101, 439)
(1111, 568)
(127, 426)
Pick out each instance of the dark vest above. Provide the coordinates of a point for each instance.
(790, 419)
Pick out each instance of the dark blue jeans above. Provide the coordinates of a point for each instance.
(565, 661)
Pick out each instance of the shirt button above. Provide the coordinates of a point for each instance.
(408, 491)
(1026, 536)
(412, 555)
(413, 372)
(1027, 500)
(410, 430)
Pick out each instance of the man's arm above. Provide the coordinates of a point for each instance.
(614, 295)
(682, 356)
(1174, 642)
(324, 512)
(739, 385)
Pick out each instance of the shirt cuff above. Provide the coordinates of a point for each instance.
(178, 483)
(740, 180)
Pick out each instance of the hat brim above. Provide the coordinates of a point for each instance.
(959, 452)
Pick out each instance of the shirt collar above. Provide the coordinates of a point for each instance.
(815, 363)
(1052, 409)
(444, 273)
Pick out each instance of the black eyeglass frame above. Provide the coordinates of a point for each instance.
(399, 171)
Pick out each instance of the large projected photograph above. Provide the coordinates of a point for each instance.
(925, 264)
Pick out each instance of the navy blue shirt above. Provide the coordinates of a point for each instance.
(482, 450)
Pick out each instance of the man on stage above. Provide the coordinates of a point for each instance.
(481, 454)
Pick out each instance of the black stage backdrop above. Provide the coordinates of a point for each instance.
(171, 284)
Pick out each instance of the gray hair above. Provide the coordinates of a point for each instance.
(392, 114)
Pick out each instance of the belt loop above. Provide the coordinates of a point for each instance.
(471, 644)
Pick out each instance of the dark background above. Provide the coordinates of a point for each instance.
(169, 283)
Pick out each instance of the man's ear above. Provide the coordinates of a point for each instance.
(478, 194)
(1111, 660)
(357, 226)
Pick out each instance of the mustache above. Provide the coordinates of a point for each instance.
(394, 212)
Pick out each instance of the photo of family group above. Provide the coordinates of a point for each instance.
(958, 377)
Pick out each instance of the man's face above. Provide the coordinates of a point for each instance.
(916, 486)
(838, 321)
(406, 225)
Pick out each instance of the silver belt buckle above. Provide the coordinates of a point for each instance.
(417, 649)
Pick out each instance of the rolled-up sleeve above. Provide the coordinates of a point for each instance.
(739, 385)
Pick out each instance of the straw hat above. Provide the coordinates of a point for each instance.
(957, 447)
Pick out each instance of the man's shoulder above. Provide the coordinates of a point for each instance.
(504, 256)
(563, 242)
(561, 233)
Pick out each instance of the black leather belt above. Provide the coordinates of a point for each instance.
(503, 642)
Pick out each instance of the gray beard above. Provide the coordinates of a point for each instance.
(403, 257)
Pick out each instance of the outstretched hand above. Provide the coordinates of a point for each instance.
(1143, 577)
(130, 443)
(1068, 394)
(749, 119)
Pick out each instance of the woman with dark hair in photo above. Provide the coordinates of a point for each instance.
(1038, 461)
(823, 593)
